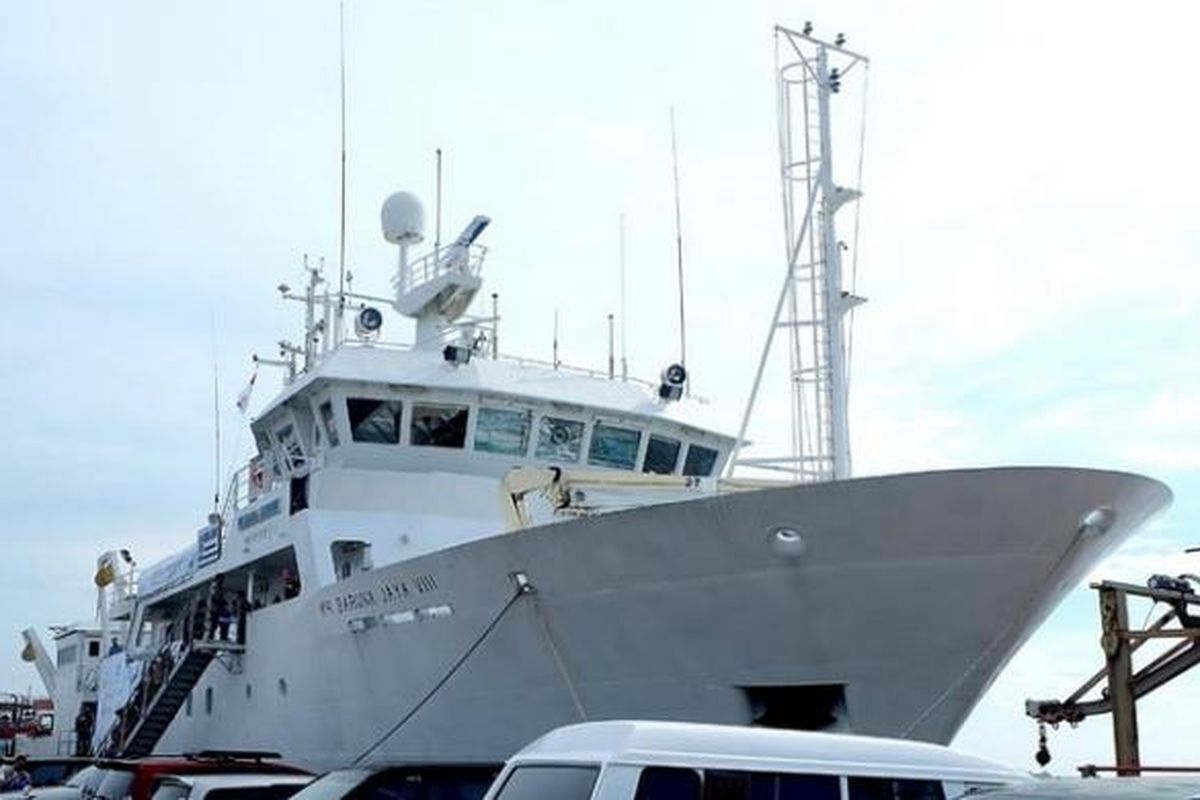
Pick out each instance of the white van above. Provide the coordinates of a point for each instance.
(685, 761)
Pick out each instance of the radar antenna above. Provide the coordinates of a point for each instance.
(812, 304)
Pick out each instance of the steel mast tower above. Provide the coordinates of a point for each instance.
(812, 303)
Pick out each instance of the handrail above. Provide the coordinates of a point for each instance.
(450, 258)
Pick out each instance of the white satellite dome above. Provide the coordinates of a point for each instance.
(403, 219)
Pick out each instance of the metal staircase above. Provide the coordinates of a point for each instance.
(162, 708)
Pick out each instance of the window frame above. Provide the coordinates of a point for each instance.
(333, 424)
(285, 418)
(376, 398)
(484, 405)
(716, 463)
(585, 438)
(596, 770)
(620, 425)
(462, 405)
(680, 441)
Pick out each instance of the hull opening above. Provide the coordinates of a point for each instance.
(810, 707)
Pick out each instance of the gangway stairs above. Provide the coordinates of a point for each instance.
(161, 709)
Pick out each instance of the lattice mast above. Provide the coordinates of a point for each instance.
(812, 303)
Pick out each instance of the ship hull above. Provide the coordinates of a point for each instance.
(886, 606)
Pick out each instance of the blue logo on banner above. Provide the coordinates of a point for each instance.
(208, 545)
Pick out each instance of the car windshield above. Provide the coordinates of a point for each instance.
(49, 773)
(170, 790)
(336, 784)
(85, 777)
(278, 791)
(115, 785)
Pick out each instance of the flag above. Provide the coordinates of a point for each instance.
(243, 401)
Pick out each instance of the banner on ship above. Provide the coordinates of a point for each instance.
(118, 679)
(167, 573)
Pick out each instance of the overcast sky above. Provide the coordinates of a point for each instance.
(1028, 245)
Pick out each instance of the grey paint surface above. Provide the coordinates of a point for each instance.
(912, 590)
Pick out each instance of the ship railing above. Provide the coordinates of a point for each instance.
(802, 469)
(248, 483)
(449, 258)
(523, 361)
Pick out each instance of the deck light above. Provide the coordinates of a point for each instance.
(674, 378)
(456, 354)
(368, 322)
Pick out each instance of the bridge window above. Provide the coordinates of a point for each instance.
(292, 449)
(501, 430)
(700, 461)
(614, 447)
(330, 423)
(376, 421)
(559, 439)
(439, 426)
(662, 454)
(66, 655)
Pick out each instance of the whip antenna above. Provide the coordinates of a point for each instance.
(437, 205)
(678, 243)
(212, 325)
(624, 362)
(342, 222)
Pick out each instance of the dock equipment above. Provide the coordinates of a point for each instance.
(1122, 684)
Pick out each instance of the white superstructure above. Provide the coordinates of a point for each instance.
(439, 551)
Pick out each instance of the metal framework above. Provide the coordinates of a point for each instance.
(1123, 685)
(812, 302)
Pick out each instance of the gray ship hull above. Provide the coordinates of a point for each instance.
(892, 614)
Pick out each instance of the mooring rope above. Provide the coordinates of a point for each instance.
(522, 590)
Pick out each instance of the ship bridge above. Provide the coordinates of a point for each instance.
(410, 410)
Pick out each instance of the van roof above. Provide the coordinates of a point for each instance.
(688, 744)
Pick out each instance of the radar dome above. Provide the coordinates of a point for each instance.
(403, 219)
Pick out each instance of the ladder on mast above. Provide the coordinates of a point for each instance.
(812, 303)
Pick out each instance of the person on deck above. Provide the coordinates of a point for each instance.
(222, 616)
(291, 584)
(198, 617)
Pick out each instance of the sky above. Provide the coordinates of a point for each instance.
(1028, 246)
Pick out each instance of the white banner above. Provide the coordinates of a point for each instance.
(118, 679)
(168, 572)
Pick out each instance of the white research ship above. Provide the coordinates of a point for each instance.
(439, 552)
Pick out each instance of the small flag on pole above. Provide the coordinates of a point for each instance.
(243, 401)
